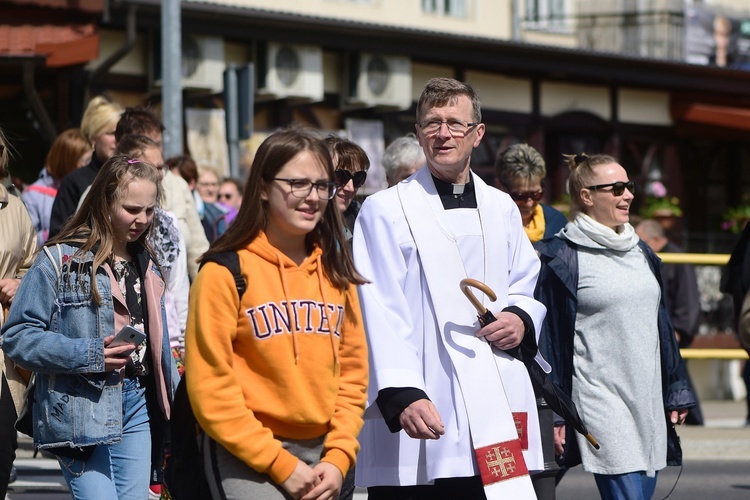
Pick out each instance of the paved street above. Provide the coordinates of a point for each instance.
(717, 465)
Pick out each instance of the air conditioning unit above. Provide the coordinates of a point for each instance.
(380, 81)
(203, 63)
(290, 71)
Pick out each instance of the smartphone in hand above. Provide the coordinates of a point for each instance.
(128, 336)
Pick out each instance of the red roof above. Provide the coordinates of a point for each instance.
(63, 31)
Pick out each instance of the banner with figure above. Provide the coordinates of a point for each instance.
(717, 38)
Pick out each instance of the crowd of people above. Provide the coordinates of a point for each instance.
(344, 337)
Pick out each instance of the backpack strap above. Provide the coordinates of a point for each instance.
(230, 260)
(49, 191)
(56, 262)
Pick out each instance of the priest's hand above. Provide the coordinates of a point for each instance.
(421, 420)
(505, 333)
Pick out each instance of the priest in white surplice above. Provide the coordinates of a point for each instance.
(450, 415)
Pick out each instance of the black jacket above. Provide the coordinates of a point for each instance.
(69, 194)
(557, 290)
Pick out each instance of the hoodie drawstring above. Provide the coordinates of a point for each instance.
(331, 325)
(288, 308)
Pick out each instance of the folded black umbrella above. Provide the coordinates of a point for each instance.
(543, 385)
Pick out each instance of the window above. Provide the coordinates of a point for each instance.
(452, 8)
(545, 13)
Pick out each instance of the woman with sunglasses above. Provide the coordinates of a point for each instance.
(351, 163)
(610, 340)
(277, 378)
(519, 171)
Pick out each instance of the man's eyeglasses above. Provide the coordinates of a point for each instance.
(225, 196)
(457, 128)
(344, 176)
(617, 187)
(301, 188)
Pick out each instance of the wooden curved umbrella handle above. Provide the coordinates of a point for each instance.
(467, 284)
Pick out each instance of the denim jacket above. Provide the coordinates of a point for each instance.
(58, 332)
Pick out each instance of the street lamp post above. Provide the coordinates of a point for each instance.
(171, 74)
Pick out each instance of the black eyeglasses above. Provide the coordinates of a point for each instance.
(617, 187)
(301, 188)
(344, 176)
(226, 196)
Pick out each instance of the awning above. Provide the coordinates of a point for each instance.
(708, 114)
(62, 45)
(93, 6)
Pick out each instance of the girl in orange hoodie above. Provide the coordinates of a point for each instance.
(278, 377)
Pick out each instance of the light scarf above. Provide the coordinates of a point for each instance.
(622, 240)
(535, 229)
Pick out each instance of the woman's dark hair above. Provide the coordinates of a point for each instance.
(185, 165)
(275, 152)
(347, 154)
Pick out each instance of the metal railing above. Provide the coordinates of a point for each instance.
(704, 259)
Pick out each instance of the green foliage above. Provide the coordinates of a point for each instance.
(661, 206)
(735, 218)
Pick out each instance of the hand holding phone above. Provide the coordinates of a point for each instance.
(117, 351)
(128, 336)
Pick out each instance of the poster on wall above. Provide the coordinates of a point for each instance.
(207, 138)
(717, 38)
(368, 134)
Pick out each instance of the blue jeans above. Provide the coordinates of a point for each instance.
(120, 470)
(631, 486)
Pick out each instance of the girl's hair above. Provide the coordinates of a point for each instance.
(347, 154)
(581, 175)
(65, 152)
(135, 146)
(90, 228)
(100, 115)
(4, 155)
(275, 152)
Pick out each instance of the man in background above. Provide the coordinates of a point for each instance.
(682, 296)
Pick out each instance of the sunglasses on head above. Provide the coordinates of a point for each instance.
(344, 176)
(617, 187)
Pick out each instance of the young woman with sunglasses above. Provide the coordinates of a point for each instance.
(519, 171)
(610, 340)
(350, 163)
(278, 377)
